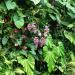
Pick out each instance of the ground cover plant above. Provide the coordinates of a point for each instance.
(37, 37)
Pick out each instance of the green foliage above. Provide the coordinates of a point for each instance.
(4, 40)
(70, 36)
(28, 64)
(10, 4)
(19, 21)
(52, 53)
(35, 1)
(37, 37)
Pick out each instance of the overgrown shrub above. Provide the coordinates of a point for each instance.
(37, 37)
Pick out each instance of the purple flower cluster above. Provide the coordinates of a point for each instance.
(33, 28)
(39, 42)
(46, 31)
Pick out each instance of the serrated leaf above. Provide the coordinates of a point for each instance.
(49, 41)
(18, 20)
(50, 59)
(28, 64)
(35, 1)
(10, 4)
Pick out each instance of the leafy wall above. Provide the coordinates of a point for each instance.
(37, 37)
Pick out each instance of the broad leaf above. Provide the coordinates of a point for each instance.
(50, 59)
(19, 21)
(4, 40)
(28, 64)
(10, 4)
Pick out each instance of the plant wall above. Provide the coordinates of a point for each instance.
(37, 37)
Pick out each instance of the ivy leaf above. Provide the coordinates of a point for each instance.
(18, 20)
(10, 4)
(35, 1)
(28, 64)
(4, 40)
(70, 36)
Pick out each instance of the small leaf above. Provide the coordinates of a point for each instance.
(70, 26)
(19, 41)
(4, 40)
(70, 36)
(10, 4)
(18, 70)
(35, 1)
(19, 21)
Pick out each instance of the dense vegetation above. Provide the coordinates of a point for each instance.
(37, 37)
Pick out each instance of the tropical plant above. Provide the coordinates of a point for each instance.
(37, 37)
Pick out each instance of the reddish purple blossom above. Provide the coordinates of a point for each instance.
(42, 41)
(36, 41)
(46, 31)
(29, 27)
(32, 27)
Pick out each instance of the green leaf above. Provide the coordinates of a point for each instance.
(18, 70)
(50, 59)
(49, 41)
(4, 40)
(70, 36)
(28, 64)
(46, 2)
(19, 41)
(19, 21)
(70, 26)
(9, 72)
(2, 7)
(35, 1)
(10, 4)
